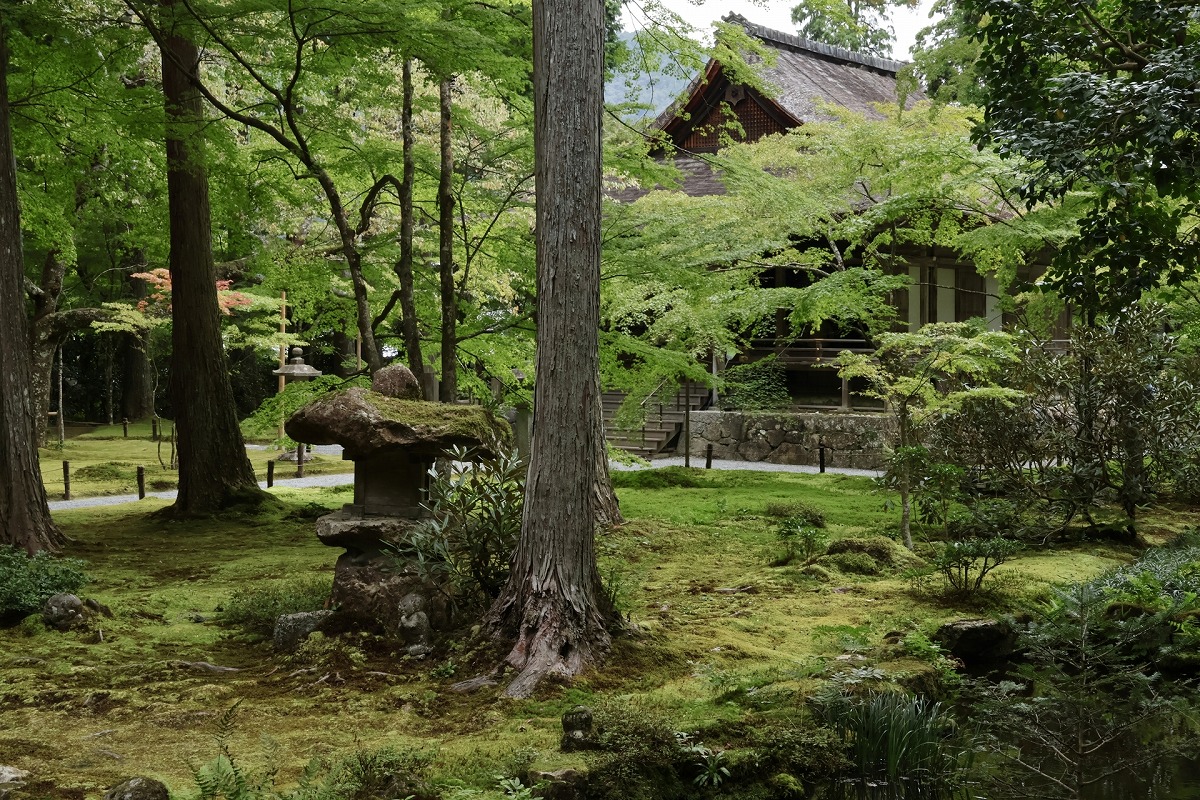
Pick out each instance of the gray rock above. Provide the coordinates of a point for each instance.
(138, 789)
(292, 629)
(396, 380)
(11, 778)
(419, 650)
(64, 612)
(563, 784)
(976, 641)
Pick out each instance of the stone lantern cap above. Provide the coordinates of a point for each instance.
(393, 442)
(367, 423)
(296, 369)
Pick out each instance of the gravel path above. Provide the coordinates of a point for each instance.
(345, 479)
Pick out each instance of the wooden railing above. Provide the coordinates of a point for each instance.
(808, 351)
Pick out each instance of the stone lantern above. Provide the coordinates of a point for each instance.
(393, 438)
(295, 370)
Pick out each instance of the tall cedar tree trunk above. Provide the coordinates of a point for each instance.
(404, 267)
(553, 605)
(449, 384)
(24, 511)
(49, 329)
(214, 471)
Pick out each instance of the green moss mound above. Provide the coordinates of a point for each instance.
(665, 478)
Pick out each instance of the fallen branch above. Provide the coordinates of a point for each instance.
(204, 665)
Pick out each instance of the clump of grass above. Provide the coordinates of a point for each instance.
(899, 739)
(255, 608)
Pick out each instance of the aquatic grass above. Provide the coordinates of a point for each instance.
(897, 739)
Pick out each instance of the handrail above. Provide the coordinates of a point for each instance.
(653, 392)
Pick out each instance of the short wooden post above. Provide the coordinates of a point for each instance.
(66, 480)
(141, 479)
(687, 422)
(270, 473)
(821, 453)
(299, 461)
(125, 427)
(845, 394)
(708, 456)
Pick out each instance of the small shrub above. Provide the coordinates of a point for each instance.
(474, 525)
(812, 517)
(801, 541)
(27, 582)
(813, 753)
(255, 608)
(965, 564)
(641, 754)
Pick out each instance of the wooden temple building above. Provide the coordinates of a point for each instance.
(805, 77)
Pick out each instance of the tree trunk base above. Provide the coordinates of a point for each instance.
(553, 641)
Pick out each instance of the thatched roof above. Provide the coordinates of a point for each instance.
(805, 75)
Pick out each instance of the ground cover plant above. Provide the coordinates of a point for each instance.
(705, 691)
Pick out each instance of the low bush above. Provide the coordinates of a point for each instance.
(801, 541)
(881, 549)
(853, 563)
(473, 527)
(641, 755)
(255, 608)
(966, 564)
(26, 582)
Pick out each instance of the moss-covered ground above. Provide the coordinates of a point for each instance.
(717, 640)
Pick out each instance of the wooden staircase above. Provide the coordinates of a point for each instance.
(663, 421)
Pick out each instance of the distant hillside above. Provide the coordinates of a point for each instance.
(654, 88)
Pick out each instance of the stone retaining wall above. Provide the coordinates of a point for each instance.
(855, 440)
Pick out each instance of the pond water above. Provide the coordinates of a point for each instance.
(1176, 778)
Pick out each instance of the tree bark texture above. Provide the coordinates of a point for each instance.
(553, 605)
(606, 509)
(214, 471)
(404, 267)
(137, 377)
(24, 510)
(449, 383)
